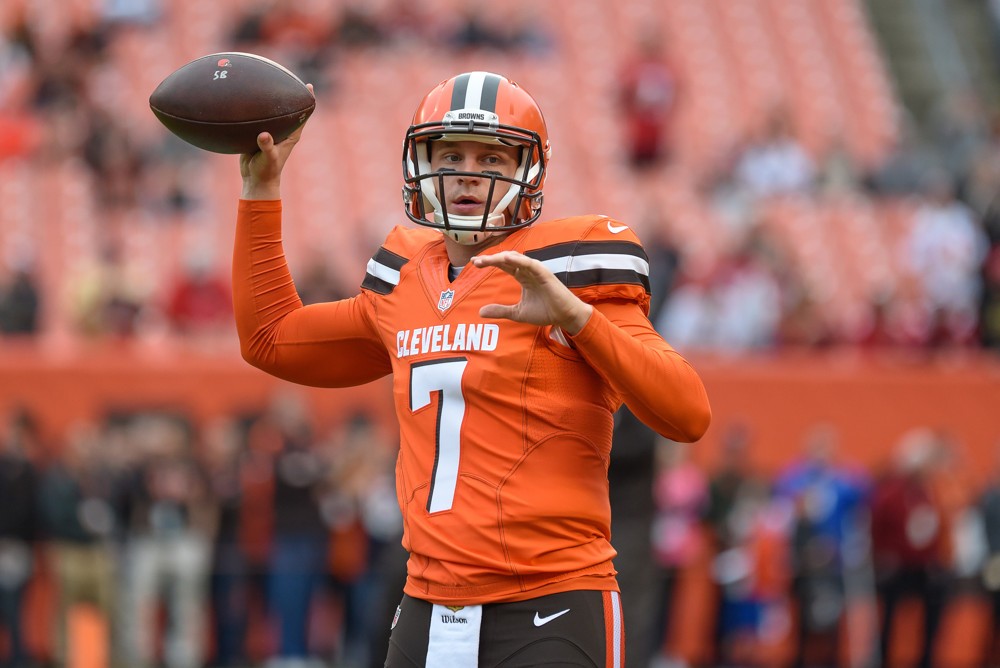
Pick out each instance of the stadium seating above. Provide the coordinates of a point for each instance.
(739, 60)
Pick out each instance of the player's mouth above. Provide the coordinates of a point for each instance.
(466, 205)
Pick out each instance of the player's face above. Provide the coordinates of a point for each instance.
(468, 195)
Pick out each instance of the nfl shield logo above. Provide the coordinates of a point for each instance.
(445, 302)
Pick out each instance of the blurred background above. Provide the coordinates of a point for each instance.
(815, 182)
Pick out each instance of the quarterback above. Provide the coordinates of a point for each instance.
(511, 343)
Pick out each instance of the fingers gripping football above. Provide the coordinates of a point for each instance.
(544, 299)
(261, 170)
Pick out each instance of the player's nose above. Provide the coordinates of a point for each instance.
(471, 174)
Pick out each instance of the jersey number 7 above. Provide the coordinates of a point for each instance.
(443, 378)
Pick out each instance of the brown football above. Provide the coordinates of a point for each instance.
(222, 101)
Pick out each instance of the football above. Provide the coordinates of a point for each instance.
(222, 101)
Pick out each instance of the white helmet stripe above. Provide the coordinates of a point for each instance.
(476, 90)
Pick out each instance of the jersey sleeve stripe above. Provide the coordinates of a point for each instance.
(377, 285)
(383, 271)
(582, 279)
(579, 264)
(586, 262)
(577, 248)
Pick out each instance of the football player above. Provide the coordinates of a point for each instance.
(511, 343)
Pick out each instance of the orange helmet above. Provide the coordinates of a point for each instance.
(476, 106)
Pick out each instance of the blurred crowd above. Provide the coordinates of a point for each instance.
(260, 539)
(55, 108)
(251, 539)
(811, 564)
(943, 289)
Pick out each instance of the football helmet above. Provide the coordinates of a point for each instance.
(484, 107)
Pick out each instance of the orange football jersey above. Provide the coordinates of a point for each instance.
(505, 428)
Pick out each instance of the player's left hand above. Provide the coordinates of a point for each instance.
(544, 299)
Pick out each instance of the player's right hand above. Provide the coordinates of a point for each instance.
(261, 171)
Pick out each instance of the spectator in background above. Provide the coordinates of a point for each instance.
(117, 159)
(775, 163)
(473, 32)
(989, 312)
(299, 536)
(910, 542)
(804, 320)
(753, 575)
(358, 26)
(386, 573)
(298, 36)
(109, 297)
(16, 63)
(20, 131)
(736, 493)
(527, 32)
(981, 194)
(199, 302)
(171, 521)
(360, 506)
(630, 476)
(664, 263)
(317, 283)
(221, 452)
(747, 296)
(247, 27)
(680, 492)
(989, 507)
(648, 96)
(77, 509)
(688, 316)
(140, 13)
(293, 29)
(989, 305)
(944, 252)
(409, 23)
(839, 175)
(19, 478)
(734, 304)
(959, 127)
(171, 184)
(983, 181)
(903, 172)
(827, 501)
(20, 301)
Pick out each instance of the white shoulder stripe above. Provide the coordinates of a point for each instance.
(569, 263)
(382, 272)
